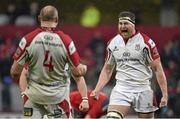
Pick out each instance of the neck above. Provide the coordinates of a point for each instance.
(48, 24)
(48, 28)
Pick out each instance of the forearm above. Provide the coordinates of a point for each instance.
(80, 70)
(81, 85)
(16, 70)
(104, 78)
(23, 80)
(161, 78)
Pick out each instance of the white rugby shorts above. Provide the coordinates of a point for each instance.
(141, 101)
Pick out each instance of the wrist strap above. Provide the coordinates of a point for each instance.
(85, 101)
(84, 98)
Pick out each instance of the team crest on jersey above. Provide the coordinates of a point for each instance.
(151, 42)
(137, 47)
(22, 43)
(18, 52)
(72, 48)
(145, 53)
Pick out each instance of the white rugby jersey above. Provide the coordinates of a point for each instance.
(132, 61)
(47, 54)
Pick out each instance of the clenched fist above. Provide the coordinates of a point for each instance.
(84, 106)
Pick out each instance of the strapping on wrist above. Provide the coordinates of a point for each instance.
(84, 98)
(85, 101)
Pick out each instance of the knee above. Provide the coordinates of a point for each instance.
(114, 115)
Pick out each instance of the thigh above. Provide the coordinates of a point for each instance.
(121, 98)
(120, 101)
(144, 102)
(122, 109)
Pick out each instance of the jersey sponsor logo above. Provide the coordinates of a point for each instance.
(22, 43)
(72, 48)
(126, 54)
(128, 60)
(48, 37)
(151, 42)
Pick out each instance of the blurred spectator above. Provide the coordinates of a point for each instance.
(34, 10)
(168, 14)
(98, 46)
(16, 39)
(174, 102)
(6, 95)
(88, 59)
(2, 40)
(171, 62)
(175, 51)
(6, 51)
(23, 8)
(91, 16)
(11, 12)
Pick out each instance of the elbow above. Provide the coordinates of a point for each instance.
(14, 74)
(80, 70)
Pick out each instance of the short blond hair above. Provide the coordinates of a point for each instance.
(48, 13)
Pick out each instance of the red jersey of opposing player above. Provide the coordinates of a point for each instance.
(97, 108)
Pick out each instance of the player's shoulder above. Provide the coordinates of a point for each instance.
(147, 40)
(33, 33)
(116, 40)
(28, 38)
(144, 36)
(63, 35)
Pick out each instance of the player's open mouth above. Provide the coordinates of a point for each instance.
(124, 31)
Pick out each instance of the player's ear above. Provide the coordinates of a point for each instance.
(39, 18)
(56, 19)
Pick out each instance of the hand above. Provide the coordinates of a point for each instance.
(80, 70)
(84, 106)
(95, 95)
(163, 102)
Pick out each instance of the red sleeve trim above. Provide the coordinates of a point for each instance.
(107, 52)
(67, 40)
(154, 51)
(29, 37)
(18, 53)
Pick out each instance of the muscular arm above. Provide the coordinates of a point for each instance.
(23, 80)
(104, 77)
(82, 88)
(81, 85)
(161, 78)
(16, 70)
(79, 71)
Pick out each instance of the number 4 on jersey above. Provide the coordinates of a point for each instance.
(48, 61)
